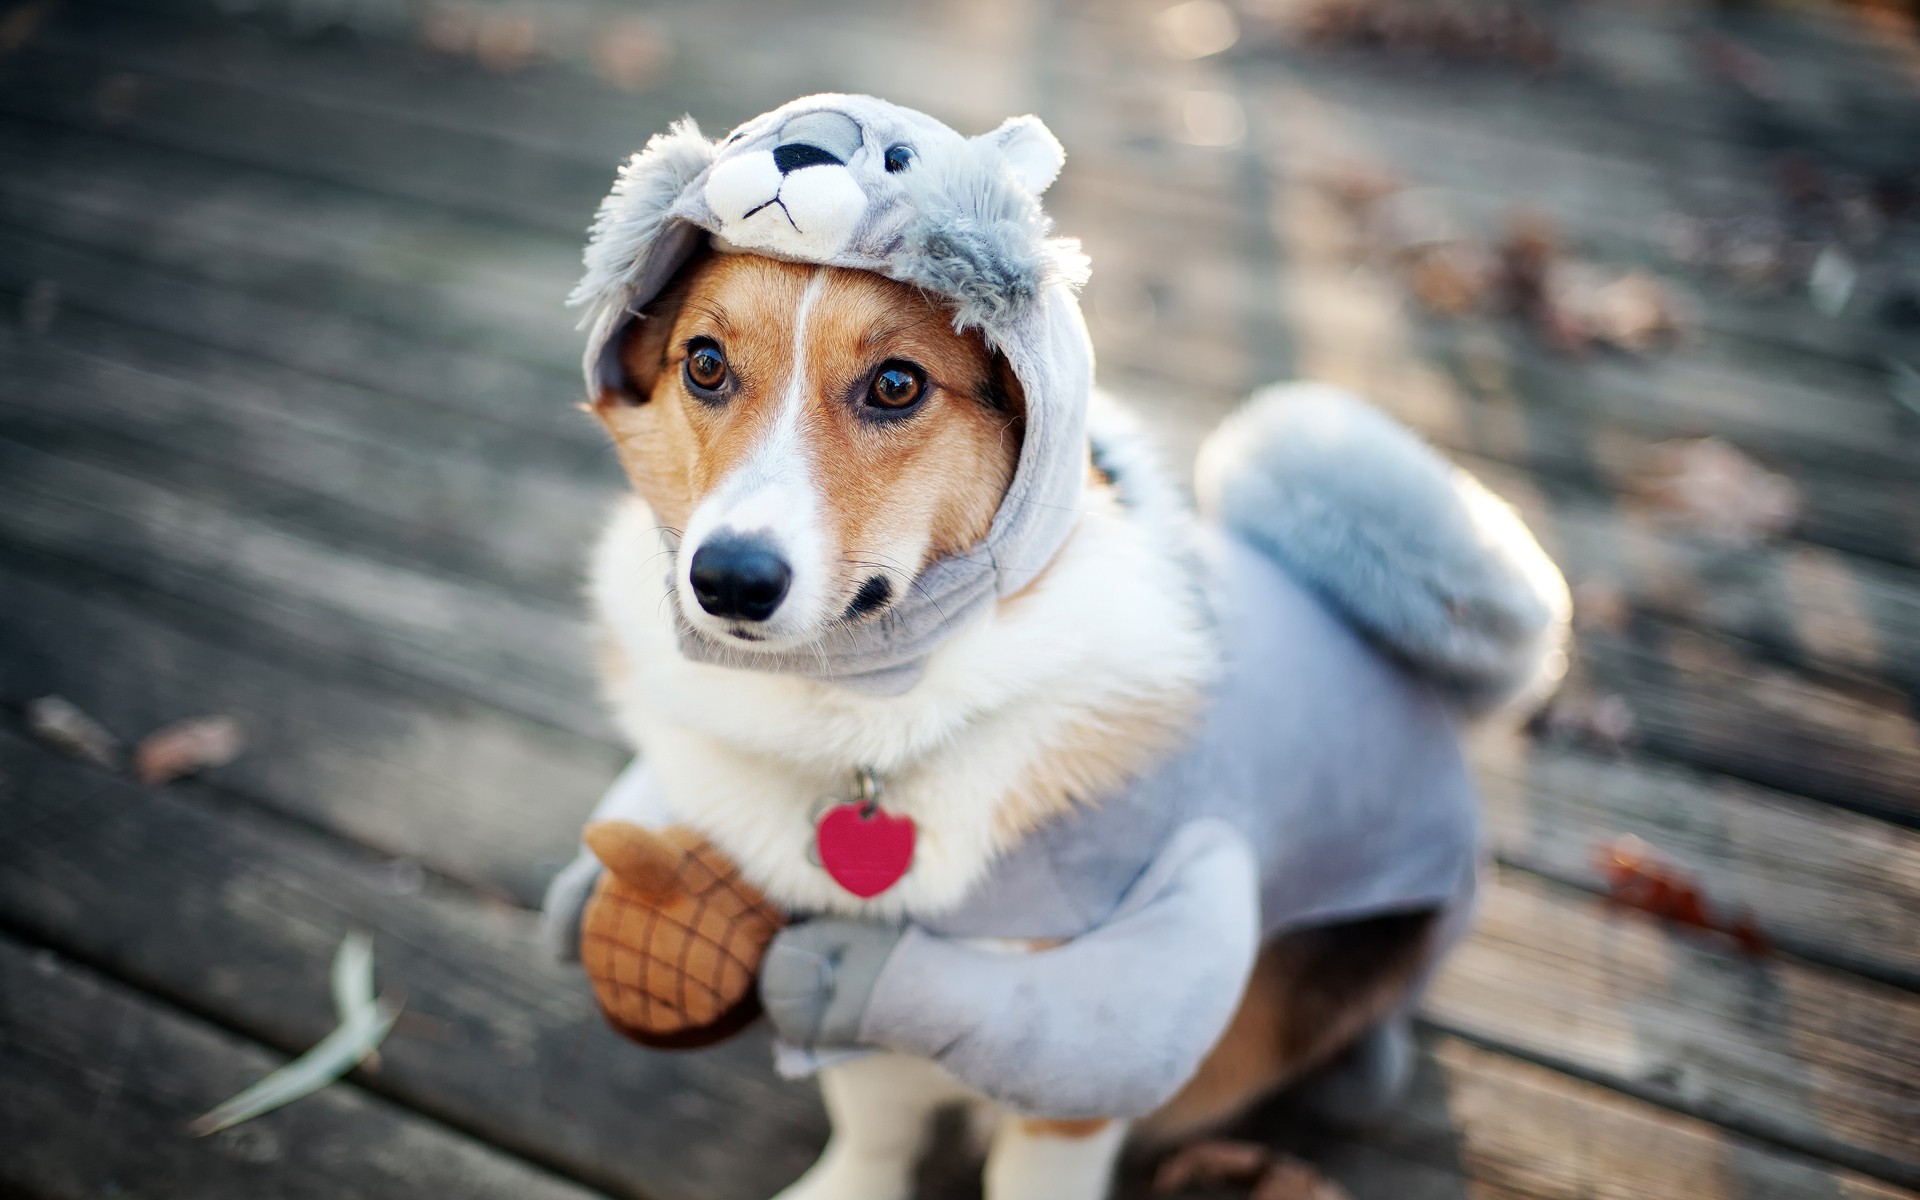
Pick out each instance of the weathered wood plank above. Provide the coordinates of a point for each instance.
(434, 485)
(408, 771)
(258, 907)
(1821, 1061)
(1702, 701)
(1355, 326)
(1493, 148)
(1610, 153)
(465, 173)
(713, 63)
(98, 1082)
(233, 915)
(1839, 614)
(466, 282)
(1819, 882)
(525, 657)
(1507, 1122)
(508, 399)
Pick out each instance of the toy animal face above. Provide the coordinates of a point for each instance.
(800, 186)
(797, 197)
(818, 435)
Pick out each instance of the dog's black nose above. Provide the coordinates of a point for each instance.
(739, 577)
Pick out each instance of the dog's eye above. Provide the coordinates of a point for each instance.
(896, 385)
(899, 158)
(706, 366)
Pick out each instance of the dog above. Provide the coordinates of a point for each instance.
(880, 555)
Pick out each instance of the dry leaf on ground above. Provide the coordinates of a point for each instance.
(1707, 485)
(57, 722)
(1640, 877)
(1604, 721)
(1210, 1163)
(364, 1022)
(1634, 312)
(186, 747)
(1601, 604)
(1292, 1179)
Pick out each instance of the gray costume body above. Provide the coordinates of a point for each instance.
(1340, 769)
(1324, 784)
(1367, 597)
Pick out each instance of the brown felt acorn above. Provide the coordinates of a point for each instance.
(672, 936)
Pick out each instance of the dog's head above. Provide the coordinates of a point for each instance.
(842, 353)
(817, 435)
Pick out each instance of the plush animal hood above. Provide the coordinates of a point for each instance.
(851, 181)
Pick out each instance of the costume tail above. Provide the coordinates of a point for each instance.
(1415, 552)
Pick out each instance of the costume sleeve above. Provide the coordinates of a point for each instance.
(1111, 1024)
(633, 797)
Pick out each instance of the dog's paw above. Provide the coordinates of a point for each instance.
(851, 1177)
(1272, 1175)
(1292, 1179)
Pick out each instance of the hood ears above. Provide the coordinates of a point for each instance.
(1032, 152)
(635, 212)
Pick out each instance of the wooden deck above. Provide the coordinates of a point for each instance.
(286, 433)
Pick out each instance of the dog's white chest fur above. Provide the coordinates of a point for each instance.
(747, 757)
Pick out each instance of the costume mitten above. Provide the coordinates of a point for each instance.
(818, 978)
(672, 937)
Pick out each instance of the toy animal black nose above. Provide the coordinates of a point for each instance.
(740, 577)
(816, 139)
(794, 155)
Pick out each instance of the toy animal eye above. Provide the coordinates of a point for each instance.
(706, 366)
(899, 158)
(896, 385)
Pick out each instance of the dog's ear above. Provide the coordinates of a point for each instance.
(635, 355)
(636, 351)
(1003, 391)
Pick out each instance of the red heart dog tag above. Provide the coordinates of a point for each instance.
(865, 850)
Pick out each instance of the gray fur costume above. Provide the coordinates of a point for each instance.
(1367, 596)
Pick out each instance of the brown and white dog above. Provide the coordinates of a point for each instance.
(803, 441)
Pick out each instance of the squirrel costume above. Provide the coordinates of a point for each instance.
(1364, 599)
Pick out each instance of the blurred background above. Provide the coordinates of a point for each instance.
(294, 500)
